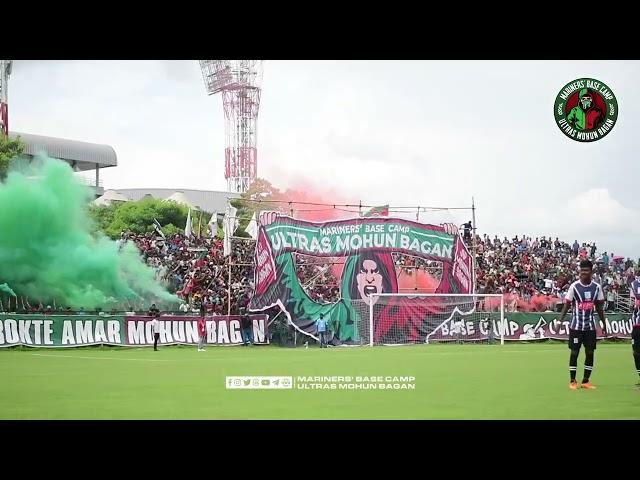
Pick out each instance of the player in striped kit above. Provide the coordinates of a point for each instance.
(584, 296)
(635, 334)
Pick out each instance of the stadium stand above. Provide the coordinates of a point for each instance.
(533, 273)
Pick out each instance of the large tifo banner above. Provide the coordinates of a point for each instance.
(366, 245)
(81, 330)
(526, 326)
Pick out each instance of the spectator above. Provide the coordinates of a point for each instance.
(467, 230)
(155, 327)
(321, 327)
(246, 327)
(153, 310)
(202, 333)
(610, 305)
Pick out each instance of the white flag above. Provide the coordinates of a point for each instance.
(158, 228)
(233, 219)
(252, 227)
(213, 224)
(229, 225)
(188, 228)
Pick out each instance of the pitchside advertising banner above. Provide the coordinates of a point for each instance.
(76, 331)
(366, 246)
(81, 330)
(526, 327)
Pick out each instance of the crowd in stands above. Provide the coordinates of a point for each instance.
(197, 270)
(543, 268)
(533, 271)
(318, 278)
(536, 271)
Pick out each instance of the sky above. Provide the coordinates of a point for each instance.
(404, 133)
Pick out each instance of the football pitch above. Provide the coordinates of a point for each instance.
(514, 381)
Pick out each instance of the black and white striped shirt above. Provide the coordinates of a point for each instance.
(583, 298)
(634, 289)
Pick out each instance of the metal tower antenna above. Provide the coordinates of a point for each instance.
(5, 72)
(239, 81)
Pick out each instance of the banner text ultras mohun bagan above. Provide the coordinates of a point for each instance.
(366, 245)
(82, 330)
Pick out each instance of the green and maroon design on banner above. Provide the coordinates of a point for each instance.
(367, 244)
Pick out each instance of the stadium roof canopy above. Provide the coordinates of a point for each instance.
(109, 197)
(209, 201)
(181, 198)
(82, 156)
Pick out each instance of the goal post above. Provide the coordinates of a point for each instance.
(424, 318)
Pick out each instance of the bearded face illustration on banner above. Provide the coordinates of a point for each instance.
(367, 245)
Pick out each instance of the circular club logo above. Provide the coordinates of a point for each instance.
(586, 110)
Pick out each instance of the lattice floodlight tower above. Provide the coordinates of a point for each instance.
(239, 81)
(5, 71)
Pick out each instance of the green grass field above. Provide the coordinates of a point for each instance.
(515, 381)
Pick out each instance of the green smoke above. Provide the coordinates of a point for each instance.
(5, 288)
(48, 253)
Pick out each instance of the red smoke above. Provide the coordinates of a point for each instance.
(328, 207)
(418, 281)
(538, 303)
(328, 198)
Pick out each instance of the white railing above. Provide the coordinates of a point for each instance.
(622, 304)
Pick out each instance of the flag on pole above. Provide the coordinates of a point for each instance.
(252, 227)
(382, 211)
(187, 228)
(213, 224)
(229, 225)
(158, 228)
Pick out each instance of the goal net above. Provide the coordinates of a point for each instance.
(400, 319)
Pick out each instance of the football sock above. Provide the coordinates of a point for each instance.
(588, 366)
(573, 364)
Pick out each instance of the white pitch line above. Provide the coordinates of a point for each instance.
(102, 358)
(466, 353)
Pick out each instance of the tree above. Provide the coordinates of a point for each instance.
(260, 196)
(102, 216)
(171, 229)
(9, 149)
(137, 217)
